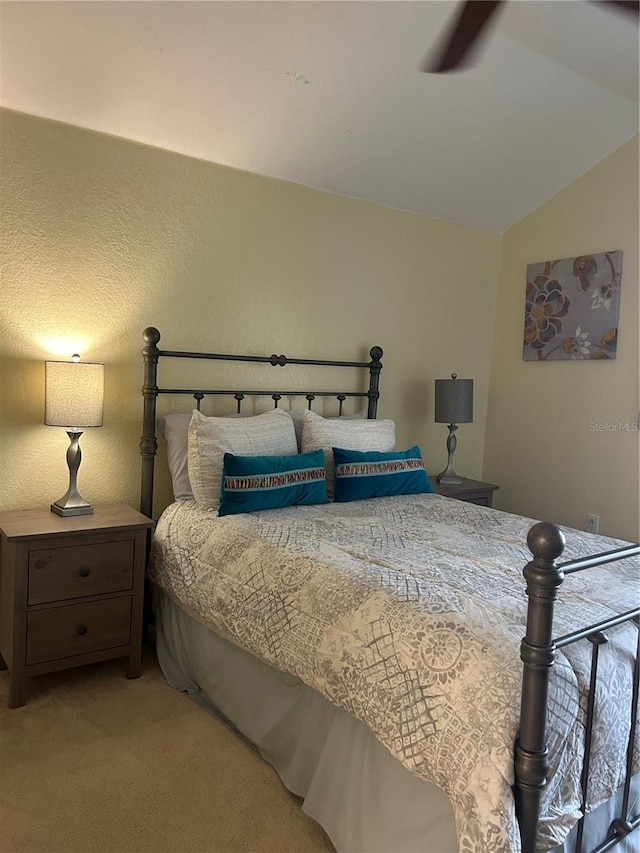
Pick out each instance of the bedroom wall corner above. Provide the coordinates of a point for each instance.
(562, 436)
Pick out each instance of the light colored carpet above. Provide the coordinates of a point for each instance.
(94, 762)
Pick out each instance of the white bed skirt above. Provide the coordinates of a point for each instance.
(364, 799)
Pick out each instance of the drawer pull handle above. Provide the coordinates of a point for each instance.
(82, 630)
(84, 573)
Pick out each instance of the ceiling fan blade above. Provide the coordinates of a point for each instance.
(463, 38)
(631, 6)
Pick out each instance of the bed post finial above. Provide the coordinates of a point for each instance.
(151, 337)
(375, 366)
(546, 541)
(148, 442)
(537, 651)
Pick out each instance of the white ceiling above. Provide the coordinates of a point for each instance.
(327, 94)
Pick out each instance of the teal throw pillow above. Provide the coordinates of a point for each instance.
(250, 483)
(373, 474)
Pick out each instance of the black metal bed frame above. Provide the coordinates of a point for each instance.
(150, 391)
(543, 574)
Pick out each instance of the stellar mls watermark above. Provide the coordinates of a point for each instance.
(620, 426)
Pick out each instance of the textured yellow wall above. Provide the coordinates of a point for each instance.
(541, 447)
(102, 237)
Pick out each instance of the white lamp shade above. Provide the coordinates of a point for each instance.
(74, 392)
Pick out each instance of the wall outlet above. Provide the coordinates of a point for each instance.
(593, 523)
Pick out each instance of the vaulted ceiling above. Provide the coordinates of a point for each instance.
(329, 95)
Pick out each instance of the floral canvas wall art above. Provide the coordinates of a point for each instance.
(572, 307)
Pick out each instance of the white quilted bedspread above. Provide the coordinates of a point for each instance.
(408, 612)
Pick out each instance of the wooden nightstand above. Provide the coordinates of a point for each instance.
(472, 491)
(71, 590)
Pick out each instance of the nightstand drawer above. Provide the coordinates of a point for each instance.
(76, 629)
(57, 574)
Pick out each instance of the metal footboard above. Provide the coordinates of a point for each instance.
(538, 649)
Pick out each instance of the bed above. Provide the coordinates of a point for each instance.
(369, 646)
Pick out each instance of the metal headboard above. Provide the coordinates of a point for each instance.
(150, 391)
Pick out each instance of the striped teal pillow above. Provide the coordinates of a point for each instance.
(250, 483)
(373, 474)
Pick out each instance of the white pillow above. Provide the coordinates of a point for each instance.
(269, 434)
(298, 420)
(174, 429)
(350, 434)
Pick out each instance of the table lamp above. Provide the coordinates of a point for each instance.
(74, 393)
(454, 405)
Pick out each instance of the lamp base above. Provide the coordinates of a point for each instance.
(449, 477)
(449, 480)
(59, 509)
(72, 502)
